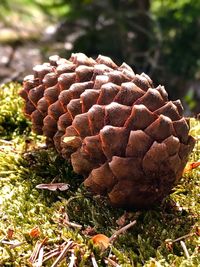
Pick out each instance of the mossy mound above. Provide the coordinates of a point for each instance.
(29, 216)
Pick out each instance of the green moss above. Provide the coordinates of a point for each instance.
(12, 120)
(22, 206)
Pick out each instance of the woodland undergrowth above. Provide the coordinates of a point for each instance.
(38, 225)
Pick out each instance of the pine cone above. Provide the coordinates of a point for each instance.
(123, 134)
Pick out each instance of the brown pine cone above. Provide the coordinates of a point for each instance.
(123, 134)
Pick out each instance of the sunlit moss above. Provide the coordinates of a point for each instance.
(12, 120)
(23, 207)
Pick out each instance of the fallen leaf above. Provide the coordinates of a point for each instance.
(53, 186)
(191, 165)
(35, 232)
(10, 233)
(102, 241)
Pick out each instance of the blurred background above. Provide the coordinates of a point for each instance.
(158, 37)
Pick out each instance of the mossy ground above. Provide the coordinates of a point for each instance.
(25, 162)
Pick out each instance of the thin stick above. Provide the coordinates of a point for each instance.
(74, 225)
(185, 249)
(183, 237)
(17, 244)
(7, 242)
(40, 257)
(52, 251)
(121, 230)
(72, 259)
(53, 254)
(113, 263)
(62, 254)
(94, 262)
(37, 249)
(35, 252)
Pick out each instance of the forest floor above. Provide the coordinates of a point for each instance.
(41, 227)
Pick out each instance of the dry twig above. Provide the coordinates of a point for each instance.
(94, 262)
(185, 249)
(40, 258)
(53, 252)
(62, 254)
(36, 250)
(112, 262)
(183, 237)
(17, 244)
(74, 225)
(12, 244)
(72, 259)
(121, 230)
